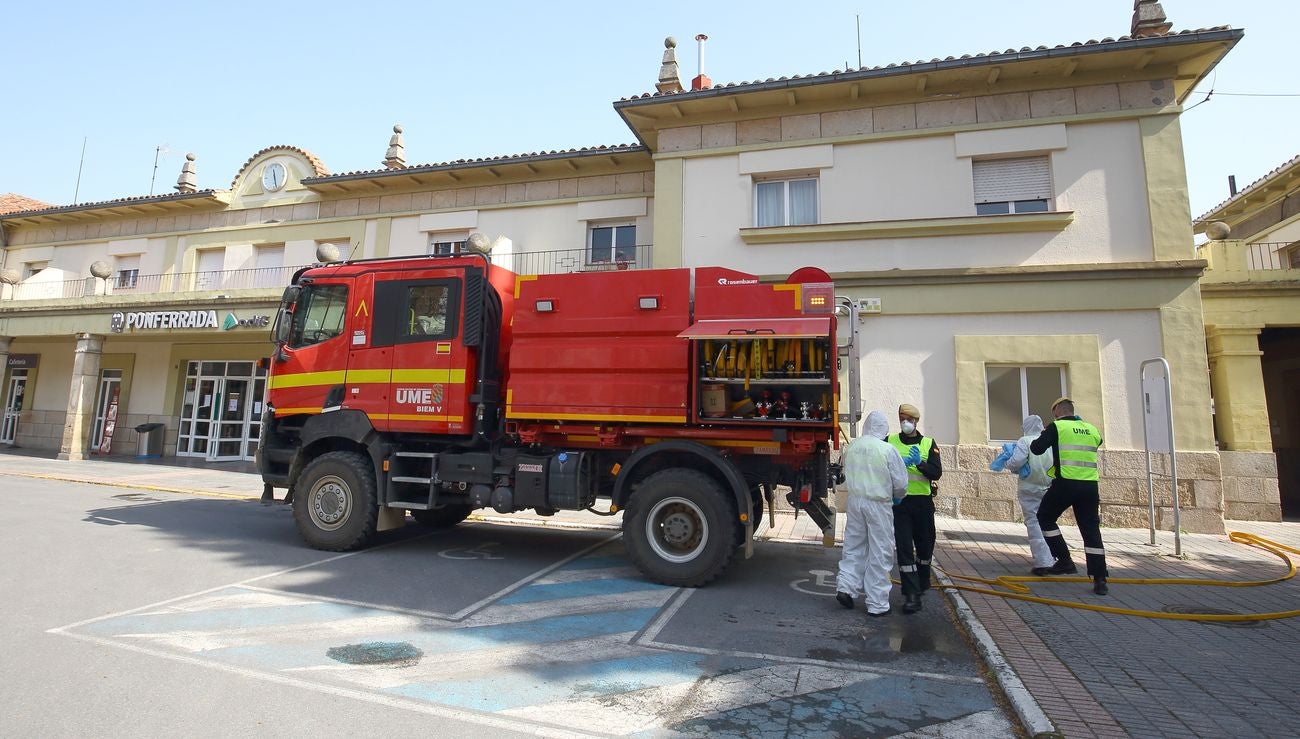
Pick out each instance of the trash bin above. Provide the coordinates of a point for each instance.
(150, 439)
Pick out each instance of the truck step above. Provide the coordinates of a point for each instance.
(420, 480)
(410, 505)
(424, 455)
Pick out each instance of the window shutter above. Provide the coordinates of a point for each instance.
(1001, 180)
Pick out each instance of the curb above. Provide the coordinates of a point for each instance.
(1031, 715)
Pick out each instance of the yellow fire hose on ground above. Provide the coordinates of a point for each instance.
(1019, 591)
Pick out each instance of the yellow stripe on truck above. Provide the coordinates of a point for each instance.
(367, 377)
(307, 379)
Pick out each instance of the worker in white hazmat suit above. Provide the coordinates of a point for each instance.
(1031, 488)
(876, 479)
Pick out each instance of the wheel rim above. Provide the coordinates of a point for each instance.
(677, 530)
(330, 502)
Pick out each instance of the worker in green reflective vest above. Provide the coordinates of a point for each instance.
(914, 514)
(1074, 444)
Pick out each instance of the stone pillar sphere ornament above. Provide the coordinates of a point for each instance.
(479, 243)
(1218, 230)
(101, 270)
(9, 276)
(326, 253)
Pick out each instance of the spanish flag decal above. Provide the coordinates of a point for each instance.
(444, 347)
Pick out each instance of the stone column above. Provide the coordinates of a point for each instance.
(81, 397)
(5, 341)
(1240, 408)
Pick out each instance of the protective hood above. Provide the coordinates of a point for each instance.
(876, 426)
(1032, 426)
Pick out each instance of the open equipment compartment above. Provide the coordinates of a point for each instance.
(770, 371)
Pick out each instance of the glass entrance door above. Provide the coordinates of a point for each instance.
(110, 383)
(220, 412)
(230, 420)
(13, 405)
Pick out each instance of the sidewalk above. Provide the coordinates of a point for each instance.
(1079, 673)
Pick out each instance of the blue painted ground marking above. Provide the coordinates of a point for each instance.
(572, 681)
(579, 589)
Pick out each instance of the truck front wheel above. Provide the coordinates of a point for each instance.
(334, 502)
(680, 528)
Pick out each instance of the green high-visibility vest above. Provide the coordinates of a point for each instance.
(917, 484)
(1076, 442)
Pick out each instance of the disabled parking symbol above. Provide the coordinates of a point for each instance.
(822, 582)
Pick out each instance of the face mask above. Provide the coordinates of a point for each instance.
(908, 427)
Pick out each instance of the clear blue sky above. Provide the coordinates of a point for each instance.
(224, 80)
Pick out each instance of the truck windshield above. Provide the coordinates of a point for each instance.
(319, 315)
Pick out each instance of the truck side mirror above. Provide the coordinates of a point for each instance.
(291, 294)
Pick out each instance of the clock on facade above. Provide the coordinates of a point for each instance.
(273, 176)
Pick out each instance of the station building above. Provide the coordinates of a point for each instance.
(1015, 224)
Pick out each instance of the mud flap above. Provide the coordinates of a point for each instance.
(390, 518)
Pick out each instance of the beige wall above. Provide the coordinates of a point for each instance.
(913, 359)
(1099, 175)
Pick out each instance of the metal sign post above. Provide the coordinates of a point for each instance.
(1158, 438)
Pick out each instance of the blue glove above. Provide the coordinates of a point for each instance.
(913, 456)
(1000, 462)
(1024, 471)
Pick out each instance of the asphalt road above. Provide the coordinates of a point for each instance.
(139, 613)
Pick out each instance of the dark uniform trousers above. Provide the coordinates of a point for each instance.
(914, 542)
(1081, 495)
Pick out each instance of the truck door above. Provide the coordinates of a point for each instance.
(421, 319)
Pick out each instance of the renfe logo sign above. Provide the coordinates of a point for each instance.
(168, 319)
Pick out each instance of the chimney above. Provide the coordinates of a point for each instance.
(1149, 19)
(1232, 185)
(395, 157)
(700, 82)
(189, 180)
(669, 81)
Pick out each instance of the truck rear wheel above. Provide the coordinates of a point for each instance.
(334, 502)
(442, 518)
(680, 528)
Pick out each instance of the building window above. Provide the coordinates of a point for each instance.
(1015, 392)
(785, 202)
(127, 272)
(268, 266)
(608, 243)
(445, 244)
(1021, 185)
(31, 269)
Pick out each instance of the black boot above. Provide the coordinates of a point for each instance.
(1063, 567)
(911, 603)
(844, 599)
(1099, 586)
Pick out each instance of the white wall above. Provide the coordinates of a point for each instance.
(1099, 175)
(911, 359)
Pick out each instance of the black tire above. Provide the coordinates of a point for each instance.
(680, 528)
(442, 518)
(334, 502)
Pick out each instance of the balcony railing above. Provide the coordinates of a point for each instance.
(581, 260)
(136, 284)
(1267, 256)
(130, 283)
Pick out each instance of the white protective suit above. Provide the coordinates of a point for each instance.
(875, 476)
(1032, 488)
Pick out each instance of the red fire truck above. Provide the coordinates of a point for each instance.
(438, 385)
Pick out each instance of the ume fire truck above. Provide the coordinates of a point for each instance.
(438, 385)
